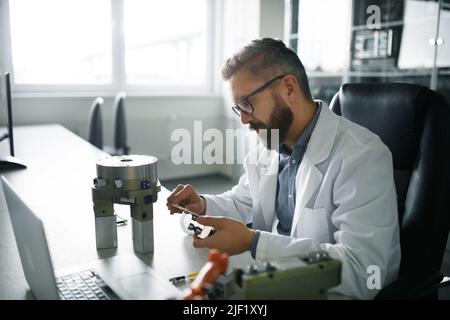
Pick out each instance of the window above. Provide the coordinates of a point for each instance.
(318, 49)
(61, 42)
(87, 45)
(175, 57)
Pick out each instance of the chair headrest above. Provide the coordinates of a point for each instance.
(393, 111)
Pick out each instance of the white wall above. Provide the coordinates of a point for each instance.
(271, 19)
(243, 21)
(150, 122)
(240, 24)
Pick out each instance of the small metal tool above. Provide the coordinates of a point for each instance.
(186, 210)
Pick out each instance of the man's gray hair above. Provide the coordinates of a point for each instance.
(265, 59)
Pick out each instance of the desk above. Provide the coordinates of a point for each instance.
(57, 187)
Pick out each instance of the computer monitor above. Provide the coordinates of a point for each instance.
(8, 162)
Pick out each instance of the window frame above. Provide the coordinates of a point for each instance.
(118, 63)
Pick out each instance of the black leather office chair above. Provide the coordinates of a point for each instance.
(95, 129)
(414, 122)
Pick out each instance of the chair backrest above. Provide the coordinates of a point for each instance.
(414, 122)
(119, 123)
(95, 129)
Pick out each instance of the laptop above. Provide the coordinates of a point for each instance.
(118, 277)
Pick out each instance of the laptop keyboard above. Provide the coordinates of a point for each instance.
(84, 285)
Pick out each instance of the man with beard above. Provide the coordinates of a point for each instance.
(328, 187)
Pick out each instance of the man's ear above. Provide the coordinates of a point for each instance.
(290, 88)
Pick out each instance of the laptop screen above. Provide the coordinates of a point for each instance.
(32, 245)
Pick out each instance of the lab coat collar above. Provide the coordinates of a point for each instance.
(323, 136)
(319, 148)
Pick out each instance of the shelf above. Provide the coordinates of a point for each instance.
(324, 74)
(391, 74)
(444, 72)
(382, 25)
(371, 74)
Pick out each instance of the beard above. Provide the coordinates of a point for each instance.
(278, 126)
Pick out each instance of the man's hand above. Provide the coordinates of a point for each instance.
(186, 196)
(230, 236)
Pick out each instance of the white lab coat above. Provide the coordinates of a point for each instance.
(345, 203)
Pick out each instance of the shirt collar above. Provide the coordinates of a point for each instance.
(303, 139)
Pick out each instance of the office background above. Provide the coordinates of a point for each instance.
(169, 64)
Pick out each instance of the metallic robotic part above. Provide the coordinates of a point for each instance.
(106, 232)
(307, 276)
(206, 232)
(142, 235)
(131, 180)
(200, 230)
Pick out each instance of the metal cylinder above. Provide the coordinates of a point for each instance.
(130, 180)
(130, 167)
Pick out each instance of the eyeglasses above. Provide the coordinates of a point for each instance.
(244, 105)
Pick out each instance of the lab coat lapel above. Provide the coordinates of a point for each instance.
(267, 189)
(308, 180)
(319, 147)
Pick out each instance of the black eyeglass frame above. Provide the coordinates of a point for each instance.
(237, 110)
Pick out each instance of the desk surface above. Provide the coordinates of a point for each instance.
(57, 187)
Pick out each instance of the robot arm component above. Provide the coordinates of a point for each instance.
(130, 180)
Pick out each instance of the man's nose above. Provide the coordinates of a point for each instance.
(245, 118)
